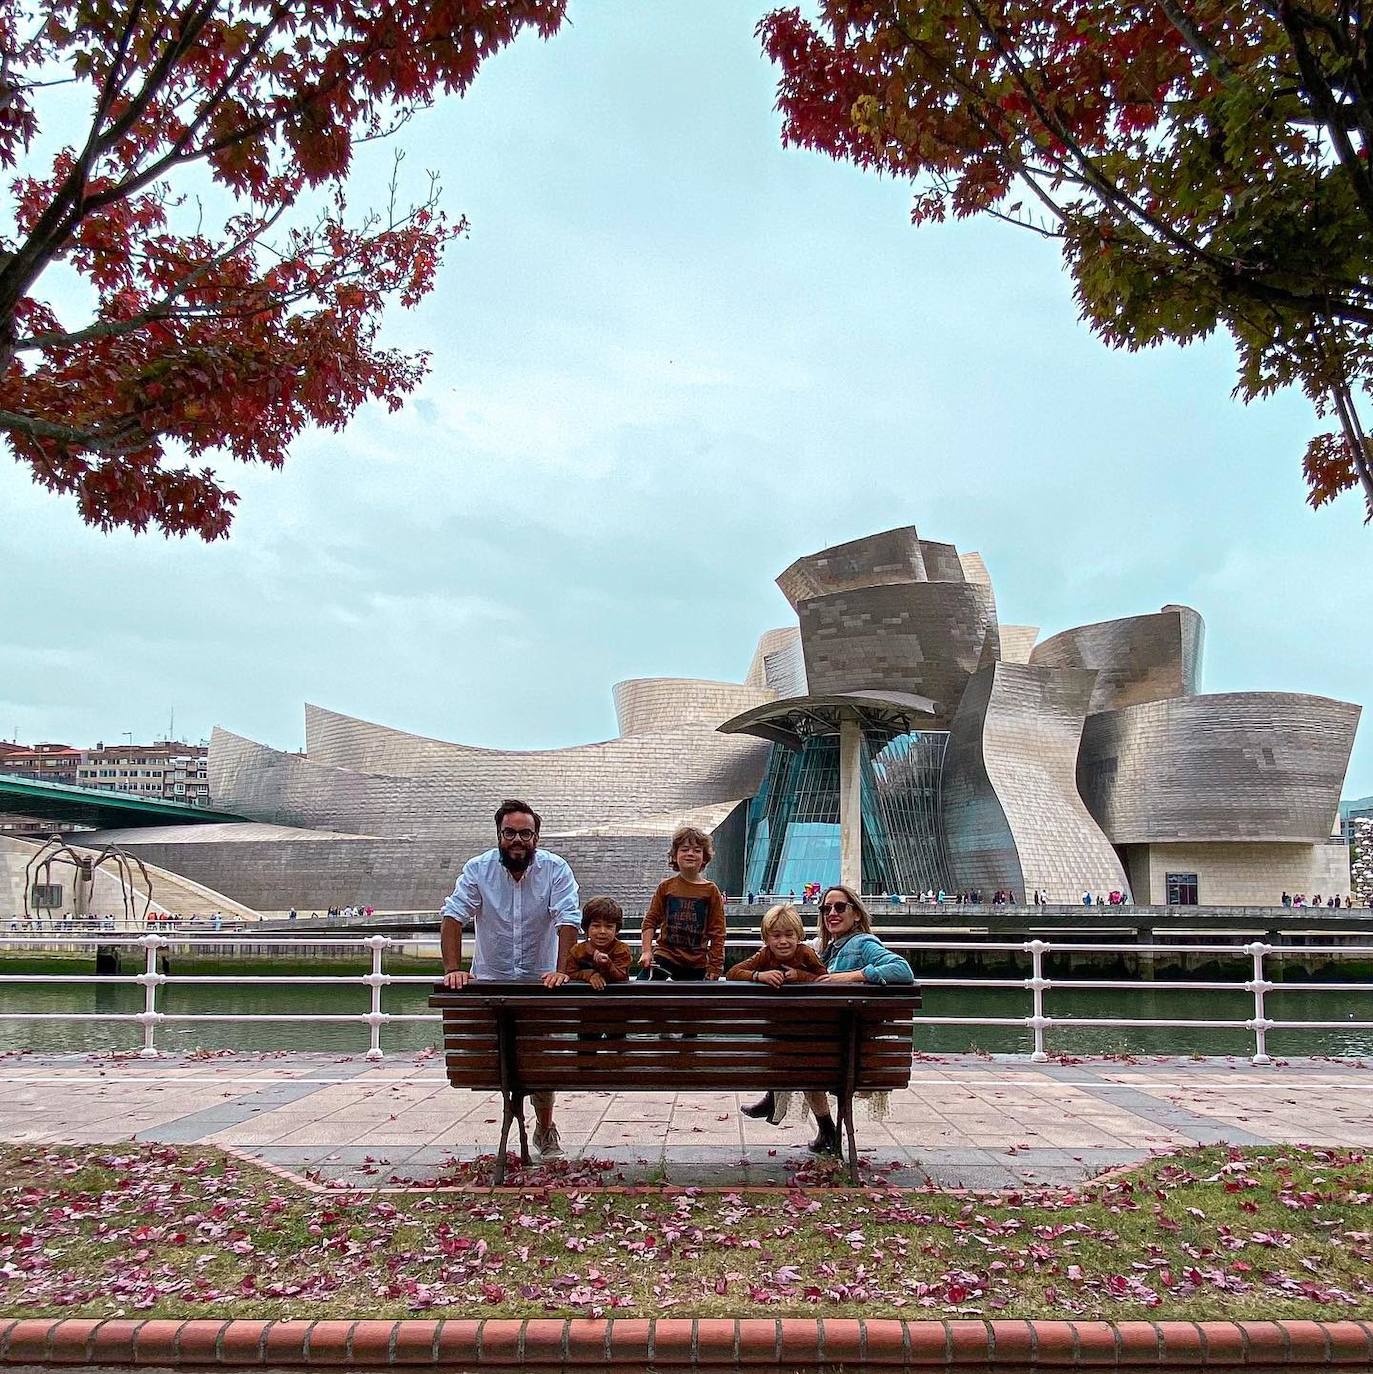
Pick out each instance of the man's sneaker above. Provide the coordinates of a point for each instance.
(546, 1142)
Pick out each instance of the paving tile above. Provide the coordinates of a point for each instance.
(960, 1118)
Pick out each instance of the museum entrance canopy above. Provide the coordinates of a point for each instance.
(66, 805)
(793, 721)
(862, 722)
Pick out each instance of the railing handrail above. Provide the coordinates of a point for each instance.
(131, 940)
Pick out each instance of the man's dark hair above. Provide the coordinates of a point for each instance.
(514, 804)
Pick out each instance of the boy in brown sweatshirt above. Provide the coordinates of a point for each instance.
(602, 957)
(684, 926)
(785, 957)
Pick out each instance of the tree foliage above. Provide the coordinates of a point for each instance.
(1203, 163)
(184, 278)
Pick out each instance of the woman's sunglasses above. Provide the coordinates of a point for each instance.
(834, 908)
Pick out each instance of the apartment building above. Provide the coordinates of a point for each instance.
(170, 770)
(43, 762)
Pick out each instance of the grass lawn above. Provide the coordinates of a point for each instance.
(167, 1231)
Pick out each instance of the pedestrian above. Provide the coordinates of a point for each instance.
(521, 901)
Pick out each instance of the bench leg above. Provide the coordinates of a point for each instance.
(507, 1118)
(524, 1139)
(846, 1120)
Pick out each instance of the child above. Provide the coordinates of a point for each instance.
(784, 958)
(602, 957)
(684, 926)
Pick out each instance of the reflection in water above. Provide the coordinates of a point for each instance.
(1296, 1002)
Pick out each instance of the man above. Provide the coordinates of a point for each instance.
(522, 902)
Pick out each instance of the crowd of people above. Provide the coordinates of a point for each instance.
(970, 897)
(524, 908)
(1332, 902)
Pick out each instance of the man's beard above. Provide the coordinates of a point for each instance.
(513, 864)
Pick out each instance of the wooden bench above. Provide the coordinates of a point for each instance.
(523, 1038)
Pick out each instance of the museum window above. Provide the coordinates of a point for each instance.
(1182, 889)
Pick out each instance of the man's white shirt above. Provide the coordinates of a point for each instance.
(516, 922)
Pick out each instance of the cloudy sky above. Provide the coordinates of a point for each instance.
(672, 357)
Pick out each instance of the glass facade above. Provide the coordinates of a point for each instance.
(793, 824)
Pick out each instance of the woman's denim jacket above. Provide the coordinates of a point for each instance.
(867, 952)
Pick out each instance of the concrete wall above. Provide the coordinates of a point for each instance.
(1240, 874)
(172, 892)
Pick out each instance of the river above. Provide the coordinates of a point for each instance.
(1296, 1002)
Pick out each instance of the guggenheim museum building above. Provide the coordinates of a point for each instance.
(895, 733)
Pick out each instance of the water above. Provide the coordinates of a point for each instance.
(1298, 1002)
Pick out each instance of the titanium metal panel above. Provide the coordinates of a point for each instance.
(399, 784)
(1230, 766)
(646, 705)
(1012, 813)
(1139, 658)
(894, 556)
(924, 638)
(774, 647)
(1018, 642)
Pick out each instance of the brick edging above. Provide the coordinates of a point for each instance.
(583, 1345)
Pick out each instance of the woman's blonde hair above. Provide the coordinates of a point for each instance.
(783, 917)
(862, 921)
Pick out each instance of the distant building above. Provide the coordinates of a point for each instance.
(1356, 820)
(168, 770)
(43, 762)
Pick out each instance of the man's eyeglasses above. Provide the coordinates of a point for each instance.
(834, 908)
(508, 834)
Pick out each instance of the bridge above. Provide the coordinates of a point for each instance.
(68, 806)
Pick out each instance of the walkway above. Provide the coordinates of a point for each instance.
(965, 1121)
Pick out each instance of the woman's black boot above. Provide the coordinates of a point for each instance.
(760, 1109)
(826, 1140)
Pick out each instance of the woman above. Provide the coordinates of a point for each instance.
(852, 954)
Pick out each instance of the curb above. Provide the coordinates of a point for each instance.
(714, 1346)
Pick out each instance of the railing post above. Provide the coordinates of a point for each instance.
(1037, 982)
(376, 980)
(1259, 985)
(150, 978)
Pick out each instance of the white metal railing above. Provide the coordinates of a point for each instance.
(1038, 1023)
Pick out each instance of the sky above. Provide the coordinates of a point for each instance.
(672, 357)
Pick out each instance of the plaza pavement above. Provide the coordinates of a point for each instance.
(965, 1121)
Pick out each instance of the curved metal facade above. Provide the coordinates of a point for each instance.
(1138, 658)
(1012, 814)
(649, 705)
(1018, 642)
(1233, 766)
(368, 779)
(921, 637)
(892, 557)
